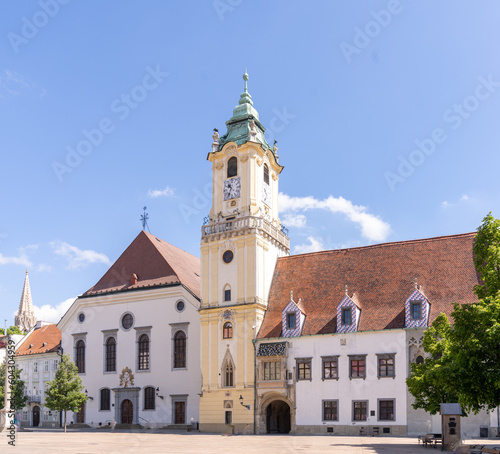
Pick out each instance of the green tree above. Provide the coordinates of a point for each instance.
(16, 390)
(65, 391)
(11, 330)
(487, 257)
(464, 358)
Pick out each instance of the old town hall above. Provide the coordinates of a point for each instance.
(248, 339)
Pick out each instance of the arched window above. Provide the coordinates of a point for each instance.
(143, 352)
(80, 356)
(266, 174)
(227, 331)
(149, 398)
(227, 293)
(232, 167)
(228, 374)
(179, 349)
(111, 355)
(420, 359)
(105, 399)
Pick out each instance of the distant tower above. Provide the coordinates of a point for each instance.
(25, 317)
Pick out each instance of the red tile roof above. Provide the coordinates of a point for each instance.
(155, 262)
(50, 335)
(382, 276)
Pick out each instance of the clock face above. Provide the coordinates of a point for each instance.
(232, 188)
(266, 194)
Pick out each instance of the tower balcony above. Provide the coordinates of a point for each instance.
(226, 228)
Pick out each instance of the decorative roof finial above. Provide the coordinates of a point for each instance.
(291, 295)
(416, 285)
(346, 290)
(245, 96)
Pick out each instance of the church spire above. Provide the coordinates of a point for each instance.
(25, 317)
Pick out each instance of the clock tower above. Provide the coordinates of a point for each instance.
(241, 241)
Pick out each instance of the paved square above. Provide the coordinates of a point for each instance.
(95, 442)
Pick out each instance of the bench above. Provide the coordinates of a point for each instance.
(491, 450)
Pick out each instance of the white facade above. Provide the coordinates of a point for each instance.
(159, 314)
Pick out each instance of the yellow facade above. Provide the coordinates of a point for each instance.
(243, 226)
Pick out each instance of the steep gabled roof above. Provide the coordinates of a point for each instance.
(382, 276)
(42, 340)
(155, 262)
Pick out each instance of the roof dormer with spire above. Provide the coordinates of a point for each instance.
(25, 317)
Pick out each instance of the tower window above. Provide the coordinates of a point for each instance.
(266, 174)
(227, 331)
(227, 295)
(228, 376)
(232, 167)
(228, 256)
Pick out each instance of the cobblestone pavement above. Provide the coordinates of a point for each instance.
(96, 442)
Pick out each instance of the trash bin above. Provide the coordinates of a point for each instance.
(483, 432)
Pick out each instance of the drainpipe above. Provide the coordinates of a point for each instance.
(254, 387)
(498, 421)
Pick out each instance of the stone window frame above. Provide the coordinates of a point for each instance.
(323, 402)
(367, 409)
(175, 328)
(329, 358)
(386, 356)
(108, 333)
(277, 367)
(299, 361)
(100, 399)
(80, 337)
(357, 358)
(139, 331)
(393, 400)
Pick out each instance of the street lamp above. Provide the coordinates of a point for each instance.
(242, 404)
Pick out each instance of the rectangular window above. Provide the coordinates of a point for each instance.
(291, 320)
(346, 316)
(149, 398)
(105, 399)
(25, 415)
(55, 363)
(46, 366)
(227, 295)
(358, 367)
(416, 310)
(35, 367)
(360, 410)
(330, 368)
(272, 370)
(386, 410)
(330, 410)
(304, 369)
(386, 365)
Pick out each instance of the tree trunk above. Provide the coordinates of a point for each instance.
(65, 421)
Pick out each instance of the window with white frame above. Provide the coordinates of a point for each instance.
(46, 366)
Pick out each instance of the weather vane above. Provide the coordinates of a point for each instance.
(144, 220)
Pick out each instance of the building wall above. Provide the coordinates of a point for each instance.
(155, 314)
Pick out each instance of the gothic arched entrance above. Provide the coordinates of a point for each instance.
(127, 412)
(36, 416)
(278, 417)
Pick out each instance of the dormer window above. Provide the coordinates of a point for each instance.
(346, 316)
(232, 167)
(291, 320)
(416, 310)
(266, 174)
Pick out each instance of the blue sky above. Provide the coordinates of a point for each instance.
(386, 115)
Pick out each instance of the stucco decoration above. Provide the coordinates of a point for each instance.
(126, 378)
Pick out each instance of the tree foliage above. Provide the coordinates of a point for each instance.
(11, 330)
(16, 390)
(464, 358)
(65, 391)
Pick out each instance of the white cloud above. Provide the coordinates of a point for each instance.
(44, 267)
(315, 245)
(52, 314)
(22, 259)
(372, 227)
(167, 192)
(446, 204)
(294, 220)
(78, 257)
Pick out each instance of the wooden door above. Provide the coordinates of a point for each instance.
(36, 416)
(127, 412)
(180, 412)
(80, 416)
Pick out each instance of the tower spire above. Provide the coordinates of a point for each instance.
(25, 317)
(245, 97)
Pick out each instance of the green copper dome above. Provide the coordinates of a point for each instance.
(244, 125)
